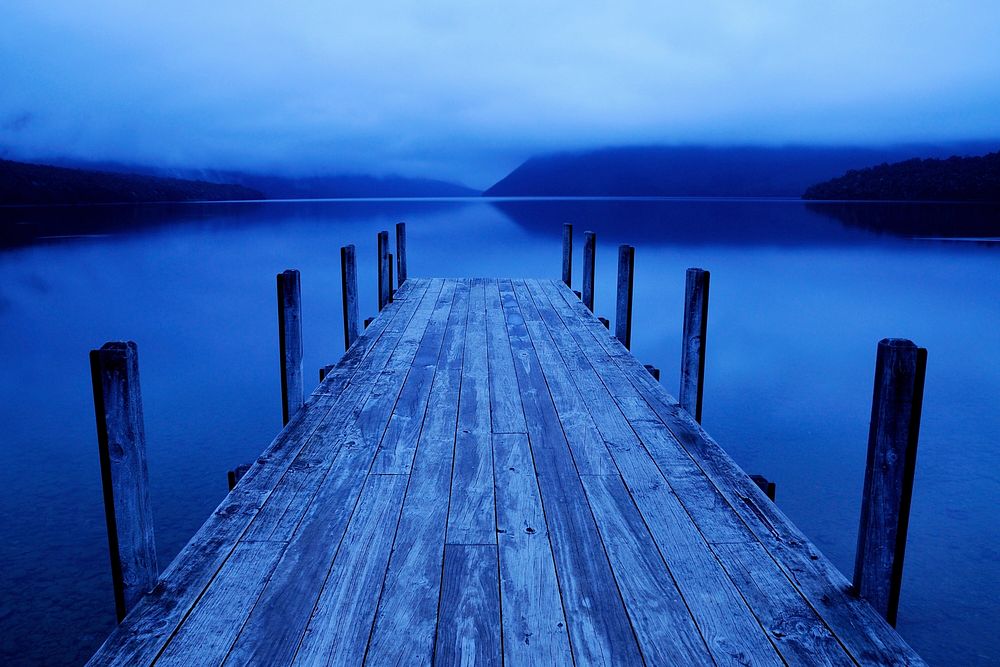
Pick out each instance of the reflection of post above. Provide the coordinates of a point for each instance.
(290, 343)
(121, 442)
(693, 343)
(567, 255)
(349, 290)
(623, 312)
(589, 264)
(892, 455)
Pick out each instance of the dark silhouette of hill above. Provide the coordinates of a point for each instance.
(23, 184)
(953, 179)
(327, 186)
(700, 171)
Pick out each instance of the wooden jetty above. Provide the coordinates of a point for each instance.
(488, 476)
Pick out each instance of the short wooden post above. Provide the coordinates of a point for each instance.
(368, 320)
(764, 484)
(324, 371)
(121, 441)
(653, 370)
(236, 474)
(349, 290)
(567, 255)
(392, 288)
(589, 264)
(605, 321)
(892, 454)
(693, 342)
(401, 252)
(383, 269)
(623, 312)
(290, 343)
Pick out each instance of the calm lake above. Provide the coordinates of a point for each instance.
(800, 296)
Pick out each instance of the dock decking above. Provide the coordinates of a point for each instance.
(488, 475)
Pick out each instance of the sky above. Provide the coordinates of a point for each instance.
(467, 90)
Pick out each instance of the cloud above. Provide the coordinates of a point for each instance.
(466, 90)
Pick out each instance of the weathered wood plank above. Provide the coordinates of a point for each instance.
(472, 511)
(506, 414)
(861, 630)
(121, 442)
(900, 367)
(209, 631)
(338, 630)
(599, 627)
(349, 293)
(534, 626)
(406, 620)
(290, 343)
(693, 342)
(469, 627)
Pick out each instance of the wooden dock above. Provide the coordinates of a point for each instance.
(489, 477)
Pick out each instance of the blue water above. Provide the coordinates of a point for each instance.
(800, 296)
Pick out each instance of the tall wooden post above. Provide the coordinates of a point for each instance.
(392, 288)
(589, 264)
(349, 290)
(567, 255)
(401, 252)
(892, 454)
(290, 343)
(623, 311)
(693, 342)
(121, 441)
(383, 269)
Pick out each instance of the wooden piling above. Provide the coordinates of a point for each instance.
(401, 252)
(236, 474)
(324, 371)
(368, 320)
(349, 290)
(589, 264)
(392, 288)
(892, 453)
(605, 321)
(623, 311)
(653, 370)
(693, 342)
(567, 254)
(764, 484)
(383, 269)
(121, 441)
(290, 343)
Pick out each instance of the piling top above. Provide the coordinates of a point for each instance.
(489, 475)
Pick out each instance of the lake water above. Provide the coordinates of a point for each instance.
(800, 296)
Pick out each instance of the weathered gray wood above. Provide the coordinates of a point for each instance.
(534, 626)
(349, 291)
(567, 254)
(900, 367)
(693, 342)
(236, 474)
(623, 309)
(589, 266)
(401, 272)
(290, 343)
(469, 624)
(383, 269)
(121, 442)
(506, 413)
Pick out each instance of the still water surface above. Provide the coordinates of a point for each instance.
(800, 296)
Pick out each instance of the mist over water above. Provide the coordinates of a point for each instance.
(800, 297)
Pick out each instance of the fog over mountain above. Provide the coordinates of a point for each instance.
(465, 92)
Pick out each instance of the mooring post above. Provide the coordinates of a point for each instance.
(383, 269)
(892, 454)
(567, 255)
(623, 311)
(236, 474)
(290, 343)
(605, 321)
(401, 253)
(764, 484)
(324, 371)
(349, 290)
(693, 342)
(653, 370)
(392, 288)
(121, 442)
(368, 320)
(589, 264)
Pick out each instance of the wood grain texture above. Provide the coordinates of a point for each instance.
(468, 630)
(489, 476)
(401, 270)
(693, 341)
(567, 254)
(121, 442)
(349, 295)
(290, 343)
(623, 303)
(897, 399)
(589, 268)
(383, 264)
